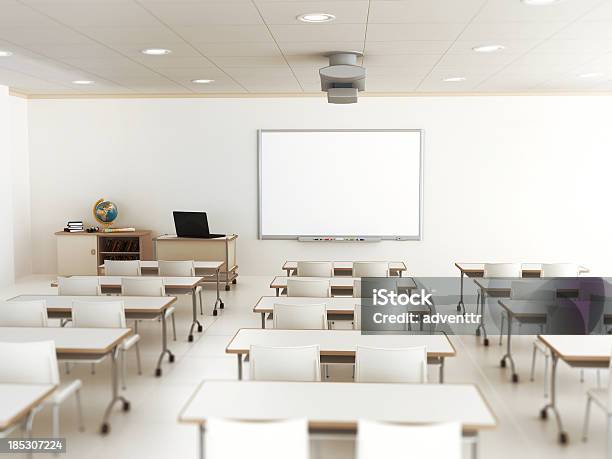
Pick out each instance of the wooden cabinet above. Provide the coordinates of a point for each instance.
(82, 253)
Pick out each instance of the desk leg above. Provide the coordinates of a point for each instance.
(475, 446)
(239, 356)
(165, 350)
(125, 405)
(201, 432)
(288, 272)
(481, 326)
(221, 305)
(441, 374)
(563, 438)
(277, 292)
(461, 304)
(195, 320)
(508, 355)
(263, 320)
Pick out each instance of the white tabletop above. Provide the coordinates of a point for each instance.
(63, 303)
(580, 348)
(336, 342)
(348, 265)
(68, 340)
(16, 401)
(533, 267)
(154, 264)
(340, 282)
(336, 304)
(169, 282)
(338, 406)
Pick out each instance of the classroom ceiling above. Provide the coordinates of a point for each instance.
(259, 46)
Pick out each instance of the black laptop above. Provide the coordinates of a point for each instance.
(193, 224)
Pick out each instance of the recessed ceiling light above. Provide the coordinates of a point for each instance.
(83, 82)
(5, 53)
(591, 75)
(202, 81)
(488, 48)
(539, 2)
(316, 17)
(453, 79)
(156, 51)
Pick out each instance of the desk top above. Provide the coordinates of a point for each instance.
(69, 340)
(338, 282)
(337, 304)
(63, 303)
(336, 342)
(537, 309)
(348, 265)
(154, 264)
(528, 268)
(169, 282)
(336, 406)
(17, 400)
(579, 348)
(174, 237)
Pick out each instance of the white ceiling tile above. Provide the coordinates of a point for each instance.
(408, 32)
(271, 85)
(416, 61)
(308, 60)
(248, 61)
(589, 46)
(318, 32)
(486, 62)
(225, 33)
(354, 12)
(268, 48)
(99, 14)
(406, 47)
(276, 72)
(202, 14)
(16, 15)
(319, 47)
(391, 84)
(73, 50)
(510, 46)
(188, 74)
(602, 12)
(36, 35)
(134, 50)
(174, 62)
(149, 37)
(517, 11)
(416, 11)
(495, 31)
(601, 30)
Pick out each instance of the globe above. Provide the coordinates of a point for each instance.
(105, 212)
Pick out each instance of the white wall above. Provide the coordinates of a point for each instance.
(20, 165)
(506, 178)
(6, 201)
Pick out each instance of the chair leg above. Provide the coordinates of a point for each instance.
(93, 368)
(587, 414)
(546, 375)
(173, 327)
(201, 303)
(598, 379)
(56, 420)
(533, 362)
(77, 396)
(139, 365)
(123, 370)
(67, 368)
(581, 375)
(501, 328)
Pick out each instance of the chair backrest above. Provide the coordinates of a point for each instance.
(144, 286)
(257, 440)
(370, 269)
(532, 290)
(23, 314)
(406, 365)
(176, 268)
(102, 314)
(503, 270)
(376, 440)
(300, 317)
(309, 287)
(357, 317)
(78, 286)
(315, 268)
(285, 363)
(28, 363)
(357, 288)
(122, 267)
(559, 270)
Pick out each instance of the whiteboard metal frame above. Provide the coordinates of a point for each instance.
(418, 237)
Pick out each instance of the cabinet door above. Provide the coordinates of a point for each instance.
(77, 255)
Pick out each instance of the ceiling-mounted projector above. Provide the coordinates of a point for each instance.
(343, 78)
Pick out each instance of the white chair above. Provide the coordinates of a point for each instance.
(407, 365)
(122, 268)
(315, 269)
(180, 269)
(36, 363)
(285, 363)
(107, 314)
(603, 399)
(78, 286)
(502, 270)
(377, 440)
(357, 317)
(285, 439)
(23, 314)
(370, 269)
(147, 286)
(357, 288)
(309, 287)
(300, 317)
(560, 270)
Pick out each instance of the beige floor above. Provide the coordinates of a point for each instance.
(150, 430)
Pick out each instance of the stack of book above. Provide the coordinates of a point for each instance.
(74, 227)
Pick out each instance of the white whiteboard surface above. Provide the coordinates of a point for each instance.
(340, 183)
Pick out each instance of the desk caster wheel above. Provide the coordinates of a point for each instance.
(563, 438)
(543, 414)
(190, 338)
(486, 341)
(126, 406)
(222, 305)
(227, 288)
(171, 358)
(105, 429)
(200, 328)
(502, 363)
(215, 312)
(158, 372)
(515, 378)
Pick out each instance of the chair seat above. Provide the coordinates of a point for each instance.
(599, 396)
(63, 392)
(128, 343)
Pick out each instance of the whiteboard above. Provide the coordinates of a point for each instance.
(341, 183)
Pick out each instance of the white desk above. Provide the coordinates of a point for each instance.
(345, 268)
(176, 285)
(338, 308)
(79, 343)
(337, 345)
(136, 308)
(202, 268)
(18, 402)
(342, 284)
(578, 351)
(337, 407)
